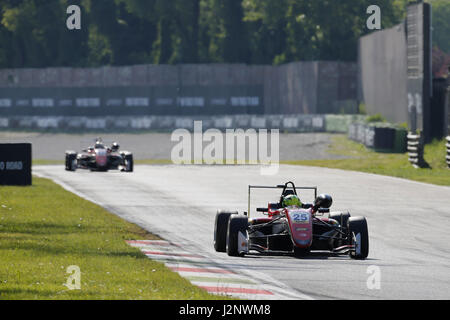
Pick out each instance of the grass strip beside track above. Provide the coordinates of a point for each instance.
(44, 229)
(389, 164)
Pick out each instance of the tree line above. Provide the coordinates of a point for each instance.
(33, 33)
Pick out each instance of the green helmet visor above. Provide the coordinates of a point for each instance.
(292, 200)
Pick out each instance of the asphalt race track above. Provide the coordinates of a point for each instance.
(158, 146)
(409, 223)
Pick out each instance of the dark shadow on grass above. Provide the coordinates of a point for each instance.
(45, 228)
(389, 151)
(136, 255)
(426, 165)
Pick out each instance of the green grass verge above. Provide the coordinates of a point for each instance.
(153, 161)
(390, 164)
(44, 229)
(42, 162)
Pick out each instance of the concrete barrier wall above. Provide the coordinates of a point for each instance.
(383, 73)
(295, 88)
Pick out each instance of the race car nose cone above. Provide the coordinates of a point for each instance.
(101, 158)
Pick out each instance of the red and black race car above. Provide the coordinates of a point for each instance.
(291, 230)
(100, 158)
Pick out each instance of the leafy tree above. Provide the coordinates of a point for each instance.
(187, 30)
(33, 35)
(119, 32)
(159, 15)
(441, 24)
(440, 20)
(211, 32)
(267, 25)
(73, 46)
(235, 43)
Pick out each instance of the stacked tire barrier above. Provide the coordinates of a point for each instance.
(378, 136)
(448, 151)
(285, 123)
(415, 150)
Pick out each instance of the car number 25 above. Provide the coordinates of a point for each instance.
(302, 217)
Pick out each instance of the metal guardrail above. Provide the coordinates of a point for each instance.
(415, 150)
(288, 123)
(448, 151)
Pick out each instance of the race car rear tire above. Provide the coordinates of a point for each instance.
(71, 161)
(129, 163)
(357, 228)
(220, 229)
(236, 225)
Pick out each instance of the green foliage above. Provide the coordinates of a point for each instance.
(362, 108)
(441, 24)
(119, 32)
(440, 20)
(375, 118)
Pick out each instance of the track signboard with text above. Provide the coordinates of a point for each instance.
(15, 164)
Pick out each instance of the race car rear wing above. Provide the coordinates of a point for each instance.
(287, 186)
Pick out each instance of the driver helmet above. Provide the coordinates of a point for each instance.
(292, 200)
(115, 146)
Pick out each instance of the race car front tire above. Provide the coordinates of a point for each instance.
(220, 229)
(129, 163)
(71, 159)
(236, 225)
(359, 237)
